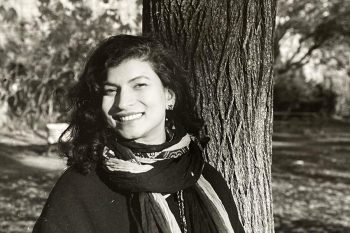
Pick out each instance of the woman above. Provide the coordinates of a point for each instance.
(135, 163)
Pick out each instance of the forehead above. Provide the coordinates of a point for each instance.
(131, 69)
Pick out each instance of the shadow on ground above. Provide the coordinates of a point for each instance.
(308, 226)
(27, 175)
(29, 158)
(311, 176)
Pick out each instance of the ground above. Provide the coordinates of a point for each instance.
(28, 172)
(310, 177)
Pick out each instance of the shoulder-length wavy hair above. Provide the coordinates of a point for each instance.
(88, 131)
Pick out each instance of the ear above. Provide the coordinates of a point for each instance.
(170, 97)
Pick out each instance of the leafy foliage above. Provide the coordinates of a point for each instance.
(43, 56)
(294, 94)
(313, 37)
(319, 24)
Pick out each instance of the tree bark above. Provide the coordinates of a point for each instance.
(227, 47)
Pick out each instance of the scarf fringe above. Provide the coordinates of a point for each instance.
(166, 218)
(168, 215)
(156, 202)
(215, 206)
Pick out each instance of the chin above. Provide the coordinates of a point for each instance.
(129, 135)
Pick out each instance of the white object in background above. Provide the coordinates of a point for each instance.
(54, 131)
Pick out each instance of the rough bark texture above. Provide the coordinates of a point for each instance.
(227, 48)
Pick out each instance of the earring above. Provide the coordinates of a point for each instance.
(170, 107)
(169, 128)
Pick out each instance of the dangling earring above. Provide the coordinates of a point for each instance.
(169, 129)
(170, 107)
(169, 122)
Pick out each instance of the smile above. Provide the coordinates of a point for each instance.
(130, 117)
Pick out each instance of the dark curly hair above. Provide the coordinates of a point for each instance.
(88, 130)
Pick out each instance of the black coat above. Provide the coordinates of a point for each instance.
(85, 204)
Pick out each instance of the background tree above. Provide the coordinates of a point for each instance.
(42, 56)
(227, 48)
(312, 47)
(317, 24)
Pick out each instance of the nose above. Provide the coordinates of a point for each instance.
(124, 99)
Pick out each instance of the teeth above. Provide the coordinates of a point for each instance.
(131, 117)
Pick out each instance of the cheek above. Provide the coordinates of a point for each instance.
(157, 102)
(107, 104)
(159, 107)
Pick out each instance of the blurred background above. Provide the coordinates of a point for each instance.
(42, 48)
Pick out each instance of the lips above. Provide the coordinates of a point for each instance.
(127, 117)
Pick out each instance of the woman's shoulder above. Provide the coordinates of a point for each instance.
(213, 176)
(71, 176)
(217, 181)
(74, 181)
(76, 184)
(220, 186)
(74, 190)
(81, 202)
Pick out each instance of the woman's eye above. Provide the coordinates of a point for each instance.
(140, 85)
(109, 92)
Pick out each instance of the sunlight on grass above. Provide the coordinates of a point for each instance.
(310, 179)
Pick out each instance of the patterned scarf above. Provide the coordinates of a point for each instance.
(150, 174)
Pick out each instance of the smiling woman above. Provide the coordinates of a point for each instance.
(135, 101)
(134, 153)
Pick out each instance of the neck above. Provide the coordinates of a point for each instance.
(155, 140)
(140, 146)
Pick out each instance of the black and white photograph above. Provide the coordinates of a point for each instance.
(174, 116)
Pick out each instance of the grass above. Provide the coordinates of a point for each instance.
(310, 177)
(26, 177)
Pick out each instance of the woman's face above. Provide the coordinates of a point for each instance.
(135, 100)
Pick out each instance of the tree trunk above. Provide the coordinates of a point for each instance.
(227, 47)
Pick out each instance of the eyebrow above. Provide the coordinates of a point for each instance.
(106, 83)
